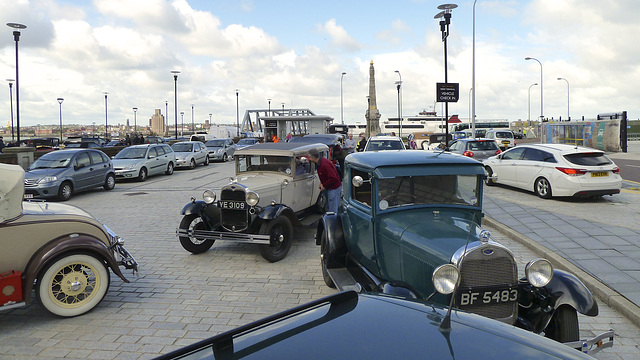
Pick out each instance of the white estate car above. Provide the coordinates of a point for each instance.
(378, 143)
(555, 170)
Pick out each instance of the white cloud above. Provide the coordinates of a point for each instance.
(339, 36)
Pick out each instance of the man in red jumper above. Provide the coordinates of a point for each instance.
(329, 179)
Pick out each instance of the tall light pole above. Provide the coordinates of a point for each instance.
(135, 120)
(237, 113)
(444, 28)
(399, 84)
(60, 100)
(470, 109)
(541, 88)
(473, 74)
(175, 93)
(106, 132)
(11, 101)
(166, 113)
(568, 117)
(269, 100)
(210, 115)
(341, 100)
(529, 118)
(181, 123)
(16, 37)
(193, 124)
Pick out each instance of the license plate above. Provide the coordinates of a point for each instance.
(486, 296)
(599, 173)
(232, 205)
(28, 196)
(505, 142)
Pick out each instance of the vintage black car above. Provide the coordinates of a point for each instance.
(403, 214)
(351, 326)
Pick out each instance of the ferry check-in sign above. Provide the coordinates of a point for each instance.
(448, 92)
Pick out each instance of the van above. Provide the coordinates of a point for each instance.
(504, 138)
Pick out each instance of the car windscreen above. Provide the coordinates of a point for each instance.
(430, 190)
(588, 159)
(52, 160)
(249, 163)
(215, 143)
(182, 147)
(246, 142)
(374, 145)
(482, 145)
(504, 135)
(131, 153)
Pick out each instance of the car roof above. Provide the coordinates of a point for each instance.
(563, 148)
(187, 142)
(281, 148)
(391, 163)
(385, 137)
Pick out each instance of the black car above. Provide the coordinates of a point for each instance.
(348, 325)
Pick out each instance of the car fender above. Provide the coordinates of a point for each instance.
(194, 207)
(66, 244)
(273, 211)
(331, 224)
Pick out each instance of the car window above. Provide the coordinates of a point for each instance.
(167, 149)
(131, 153)
(182, 147)
(161, 150)
(588, 159)
(361, 194)
(83, 159)
(538, 155)
(432, 189)
(482, 145)
(504, 134)
(514, 154)
(95, 157)
(303, 166)
(56, 159)
(249, 163)
(153, 153)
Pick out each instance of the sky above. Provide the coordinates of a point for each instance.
(294, 52)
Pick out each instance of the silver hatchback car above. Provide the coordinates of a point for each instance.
(478, 149)
(141, 161)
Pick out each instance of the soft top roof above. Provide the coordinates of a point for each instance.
(281, 148)
(11, 191)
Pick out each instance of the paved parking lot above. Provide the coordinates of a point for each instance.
(180, 298)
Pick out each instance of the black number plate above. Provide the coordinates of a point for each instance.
(232, 205)
(486, 296)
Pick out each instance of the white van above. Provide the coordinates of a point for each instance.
(504, 138)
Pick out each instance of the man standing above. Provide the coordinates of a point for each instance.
(1, 144)
(350, 144)
(329, 179)
(361, 143)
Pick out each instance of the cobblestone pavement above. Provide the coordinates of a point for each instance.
(180, 298)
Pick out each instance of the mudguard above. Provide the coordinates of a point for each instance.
(331, 225)
(273, 211)
(194, 207)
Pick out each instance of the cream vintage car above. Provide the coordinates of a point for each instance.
(60, 250)
(275, 187)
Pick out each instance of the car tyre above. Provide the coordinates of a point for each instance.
(73, 285)
(109, 182)
(542, 188)
(224, 157)
(192, 164)
(170, 169)
(206, 160)
(489, 182)
(563, 326)
(142, 176)
(194, 244)
(281, 237)
(324, 260)
(65, 191)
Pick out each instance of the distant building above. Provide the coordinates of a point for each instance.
(157, 123)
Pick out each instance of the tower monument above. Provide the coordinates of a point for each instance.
(372, 115)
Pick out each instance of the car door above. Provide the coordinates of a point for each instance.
(83, 174)
(506, 166)
(156, 161)
(100, 166)
(534, 163)
(202, 153)
(358, 221)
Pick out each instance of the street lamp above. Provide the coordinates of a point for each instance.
(193, 124)
(444, 28)
(16, 37)
(210, 119)
(341, 102)
(399, 83)
(181, 123)
(166, 113)
(472, 127)
(237, 115)
(135, 120)
(11, 101)
(568, 117)
(541, 89)
(269, 100)
(529, 118)
(473, 73)
(60, 100)
(106, 136)
(175, 92)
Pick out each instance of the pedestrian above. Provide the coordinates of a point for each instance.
(350, 144)
(275, 138)
(1, 144)
(329, 179)
(127, 140)
(289, 136)
(361, 143)
(141, 139)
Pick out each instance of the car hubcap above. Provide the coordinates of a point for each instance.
(74, 284)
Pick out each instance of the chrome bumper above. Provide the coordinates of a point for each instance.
(593, 345)
(221, 235)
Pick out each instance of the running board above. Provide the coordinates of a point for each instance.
(343, 280)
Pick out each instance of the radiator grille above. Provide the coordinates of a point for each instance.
(231, 219)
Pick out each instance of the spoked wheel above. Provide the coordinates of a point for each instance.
(109, 182)
(543, 188)
(73, 285)
(281, 237)
(194, 244)
(564, 325)
(324, 260)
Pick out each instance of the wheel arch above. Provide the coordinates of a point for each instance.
(331, 225)
(194, 207)
(273, 211)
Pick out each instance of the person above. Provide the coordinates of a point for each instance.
(350, 144)
(329, 179)
(275, 138)
(289, 136)
(393, 133)
(361, 143)
(127, 140)
(1, 144)
(141, 139)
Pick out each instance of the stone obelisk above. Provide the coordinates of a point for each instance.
(372, 115)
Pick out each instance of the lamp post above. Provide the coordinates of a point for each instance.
(341, 100)
(269, 100)
(399, 84)
(16, 37)
(210, 119)
(60, 100)
(541, 88)
(135, 120)
(237, 114)
(166, 113)
(444, 28)
(473, 73)
(529, 118)
(568, 117)
(106, 132)
(193, 124)
(175, 92)
(181, 123)
(472, 127)
(11, 101)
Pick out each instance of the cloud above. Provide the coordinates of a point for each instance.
(339, 36)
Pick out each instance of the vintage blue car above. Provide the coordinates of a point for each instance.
(404, 214)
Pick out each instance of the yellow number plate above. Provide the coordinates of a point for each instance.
(599, 173)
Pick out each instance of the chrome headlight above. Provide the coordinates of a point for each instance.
(48, 179)
(252, 198)
(219, 151)
(446, 278)
(209, 196)
(129, 167)
(539, 272)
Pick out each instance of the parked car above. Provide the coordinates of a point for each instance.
(190, 154)
(379, 143)
(85, 138)
(478, 149)
(60, 250)
(243, 143)
(504, 138)
(83, 145)
(114, 143)
(62, 173)
(465, 134)
(141, 161)
(221, 149)
(404, 214)
(275, 187)
(349, 325)
(555, 170)
(518, 135)
(42, 143)
(153, 140)
(429, 140)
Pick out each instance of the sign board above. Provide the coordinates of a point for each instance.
(447, 92)
(271, 123)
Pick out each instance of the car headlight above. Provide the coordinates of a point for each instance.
(252, 198)
(48, 179)
(446, 278)
(218, 151)
(209, 196)
(129, 167)
(539, 272)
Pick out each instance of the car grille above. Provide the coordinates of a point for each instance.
(30, 182)
(480, 269)
(234, 220)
